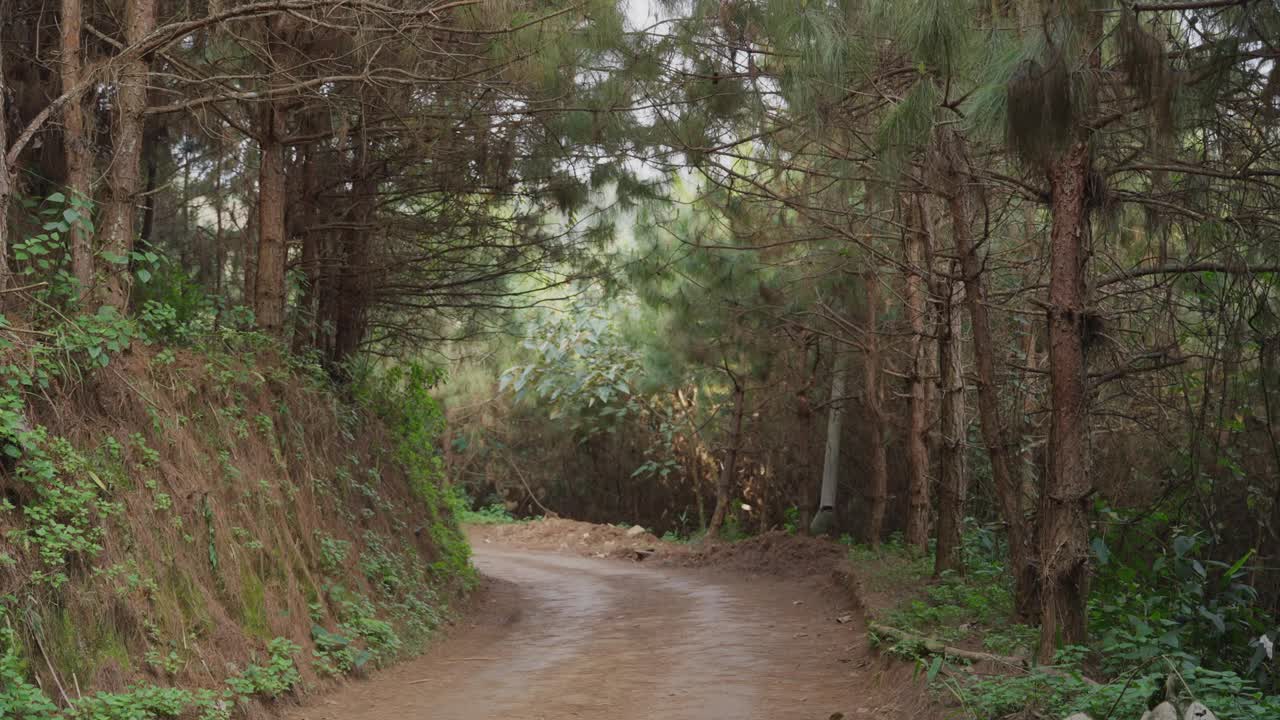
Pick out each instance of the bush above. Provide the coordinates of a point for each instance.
(1180, 604)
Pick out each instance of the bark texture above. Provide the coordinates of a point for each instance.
(269, 282)
(6, 172)
(351, 300)
(878, 482)
(916, 299)
(1064, 522)
(124, 180)
(76, 149)
(953, 485)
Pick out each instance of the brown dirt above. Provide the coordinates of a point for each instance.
(559, 636)
(582, 538)
(774, 553)
(257, 501)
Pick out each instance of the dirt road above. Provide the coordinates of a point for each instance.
(562, 636)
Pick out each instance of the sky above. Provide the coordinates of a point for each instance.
(640, 13)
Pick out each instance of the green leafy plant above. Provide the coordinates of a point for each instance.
(1179, 604)
(336, 654)
(19, 698)
(333, 553)
(276, 677)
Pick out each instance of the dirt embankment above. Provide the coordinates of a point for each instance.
(581, 538)
(217, 500)
(775, 553)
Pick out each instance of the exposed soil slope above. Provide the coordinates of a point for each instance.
(225, 499)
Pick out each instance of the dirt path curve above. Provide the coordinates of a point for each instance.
(562, 636)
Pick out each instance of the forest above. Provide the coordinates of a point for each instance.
(983, 288)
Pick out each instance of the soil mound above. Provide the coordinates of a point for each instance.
(583, 538)
(774, 553)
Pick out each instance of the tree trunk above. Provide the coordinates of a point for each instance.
(249, 258)
(119, 211)
(304, 333)
(75, 143)
(349, 297)
(269, 286)
(1064, 531)
(352, 298)
(6, 173)
(730, 468)
(151, 165)
(916, 296)
(1004, 464)
(878, 483)
(1064, 498)
(331, 259)
(6, 183)
(219, 248)
(304, 329)
(953, 486)
(824, 521)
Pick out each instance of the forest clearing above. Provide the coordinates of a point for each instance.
(607, 358)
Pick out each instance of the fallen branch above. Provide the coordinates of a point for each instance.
(937, 647)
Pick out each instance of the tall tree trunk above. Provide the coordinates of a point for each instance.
(824, 521)
(75, 142)
(1064, 521)
(916, 296)
(119, 211)
(1004, 464)
(190, 243)
(953, 485)
(349, 306)
(304, 329)
(878, 483)
(1064, 497)
(249, 258)
(150, 176)
(269, 286)
(730, 468)
(219, 248)
(352, 299)
(304, 333)
(331, 258)
(6, 172)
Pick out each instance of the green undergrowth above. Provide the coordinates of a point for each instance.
(969, 611)
(1181, 629)
(492, 514)
(193, 515)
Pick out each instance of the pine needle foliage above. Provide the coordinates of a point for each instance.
(907, 126)
(936, 33)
